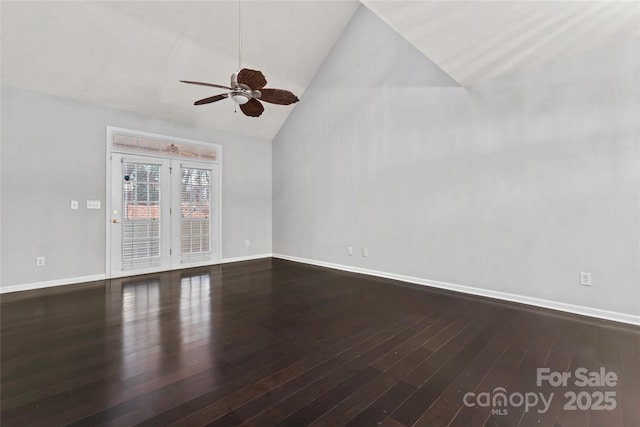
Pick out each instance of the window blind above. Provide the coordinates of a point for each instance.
(141, 215)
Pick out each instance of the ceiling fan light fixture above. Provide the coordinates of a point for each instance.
(240, 98)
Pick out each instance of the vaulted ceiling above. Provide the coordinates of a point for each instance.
(130, 55)
(477, 40)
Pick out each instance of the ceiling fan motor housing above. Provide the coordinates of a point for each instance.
(240, 94)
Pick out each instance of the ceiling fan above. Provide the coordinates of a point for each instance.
(247, 86)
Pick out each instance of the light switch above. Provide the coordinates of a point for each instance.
(74, 204)
(93, 204)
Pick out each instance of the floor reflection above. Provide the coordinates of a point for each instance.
(195, 307)
(140, 326)
(156, 332)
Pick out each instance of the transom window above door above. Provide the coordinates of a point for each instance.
(167, 148)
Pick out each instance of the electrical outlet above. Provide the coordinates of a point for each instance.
(74, 204)
(93, 204)
(349, 250)
(247, 242)
(40, 261)
(365, 252)
(585, 279)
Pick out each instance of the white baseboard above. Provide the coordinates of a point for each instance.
(51, 283)
(538, 302)
(244, 258)
(96, 277)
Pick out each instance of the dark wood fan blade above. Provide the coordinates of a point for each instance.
(278, 96)
(211, 99)
(253, 108)
(252, 78)
(205, 84)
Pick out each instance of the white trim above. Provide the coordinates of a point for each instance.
(51, 283)
(538, 302)
(245, 258)
(107, 201)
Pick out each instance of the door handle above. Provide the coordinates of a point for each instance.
(115, 220)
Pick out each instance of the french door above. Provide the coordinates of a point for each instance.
(195, 213)
(164, 214)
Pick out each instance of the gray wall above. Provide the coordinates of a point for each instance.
(53, 151)
(515, 185)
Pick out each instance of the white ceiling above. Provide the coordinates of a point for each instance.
(478, 40)
(131, 54)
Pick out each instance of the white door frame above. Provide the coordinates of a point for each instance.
(110, 132)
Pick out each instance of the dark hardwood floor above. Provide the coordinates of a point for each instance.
(271, 342)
